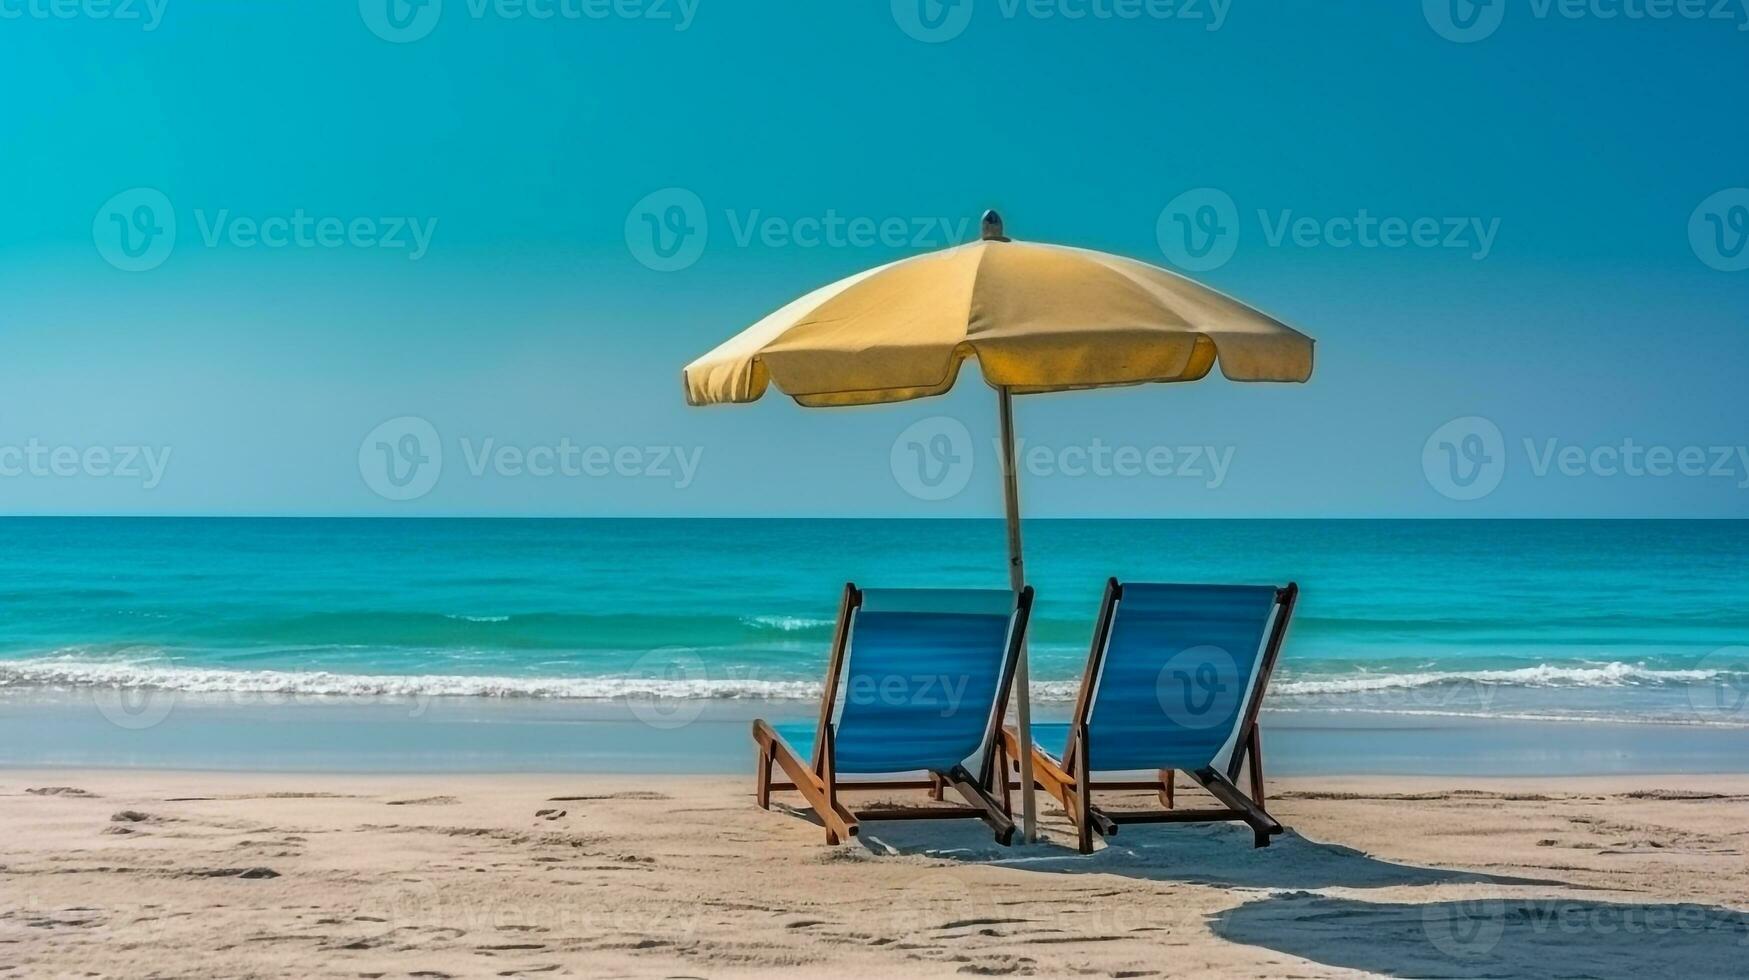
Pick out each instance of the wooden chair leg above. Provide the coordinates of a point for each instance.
(1263, 826)
(1166, 778)
(1083, 809)
(1001, 770)
(762, 788)
(1254, 762)
(975, 795)
(829, 779)
(816, 788)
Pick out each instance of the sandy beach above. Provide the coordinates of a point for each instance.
(150, 873)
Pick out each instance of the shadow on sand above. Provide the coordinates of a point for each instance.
(1205, 854)
(1489, 937)
(1550, 937)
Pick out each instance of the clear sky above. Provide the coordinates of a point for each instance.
(239, 238)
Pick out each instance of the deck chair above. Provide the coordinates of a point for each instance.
(918, 682)
(1174, 683)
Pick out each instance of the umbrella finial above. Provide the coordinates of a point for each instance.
(992, 229)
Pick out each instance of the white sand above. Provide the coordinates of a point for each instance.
(142, 874)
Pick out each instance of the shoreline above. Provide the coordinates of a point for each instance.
(305, 874)
(112, 729)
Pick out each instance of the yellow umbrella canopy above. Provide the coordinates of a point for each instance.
(1037, 317)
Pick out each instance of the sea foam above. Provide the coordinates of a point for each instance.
(691, 677)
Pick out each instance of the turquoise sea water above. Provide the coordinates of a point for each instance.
(1617, 620)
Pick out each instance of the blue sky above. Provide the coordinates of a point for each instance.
(470, 191)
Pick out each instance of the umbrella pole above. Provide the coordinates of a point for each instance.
(1017, 581)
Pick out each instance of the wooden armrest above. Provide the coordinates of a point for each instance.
(837, 818)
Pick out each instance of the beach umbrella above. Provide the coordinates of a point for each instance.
(1036, 317)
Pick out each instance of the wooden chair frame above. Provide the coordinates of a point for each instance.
(1064, 779)
(818, 782)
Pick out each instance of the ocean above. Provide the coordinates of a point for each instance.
(1569, 621)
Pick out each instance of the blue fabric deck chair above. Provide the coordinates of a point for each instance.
(917, 683)
(1174, 682)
